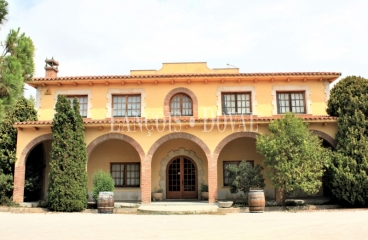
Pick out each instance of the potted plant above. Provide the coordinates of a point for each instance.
(157, 194)
(250, 181)
(204, 191)
(225, 204)
(103, 191)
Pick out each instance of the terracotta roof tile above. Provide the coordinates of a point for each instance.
(335, 74)
(184, 120)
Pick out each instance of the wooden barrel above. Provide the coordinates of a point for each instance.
(256, 201)
(105, 203)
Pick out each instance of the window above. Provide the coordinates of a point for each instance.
(290, 102)
(227, 180)
(83, 103)
(126, 174)
(181, 105)
(236, 103)
(126, 105)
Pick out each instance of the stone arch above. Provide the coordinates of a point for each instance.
(228, 139)
(20, 167)
(31, 145)
(325, 137)
(146, 166)
(118, 136)
(170, 156)
(176, 91)
(178, 135)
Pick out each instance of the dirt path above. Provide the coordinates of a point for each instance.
(332, 224)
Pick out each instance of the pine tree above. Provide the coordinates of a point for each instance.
(347, 175)
(16, 64)
(68, 180)
(23, 111)
(294, 157)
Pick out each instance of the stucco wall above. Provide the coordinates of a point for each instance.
(240, 149)
(117, 151)
(154, 96)
(113, 151)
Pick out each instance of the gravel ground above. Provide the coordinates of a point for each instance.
(331, 224)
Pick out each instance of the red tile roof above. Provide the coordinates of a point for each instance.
(183, 120)
(271, 74)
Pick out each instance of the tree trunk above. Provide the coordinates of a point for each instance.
(280, 196)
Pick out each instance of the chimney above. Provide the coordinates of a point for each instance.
(51, 68)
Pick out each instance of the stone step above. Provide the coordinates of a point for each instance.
(178, 209)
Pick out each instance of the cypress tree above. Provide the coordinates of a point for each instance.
(347, 175)
(80, 151)
(68, 180)
(22, 111)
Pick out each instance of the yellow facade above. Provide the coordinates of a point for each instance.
(191, 136)
(155, 95)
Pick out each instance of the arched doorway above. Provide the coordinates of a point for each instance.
(181, 178)
(172, 145)
(35, 173)
(327, 140)
(39, 148)
(36, 179)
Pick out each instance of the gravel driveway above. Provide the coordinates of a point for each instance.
(331, 224)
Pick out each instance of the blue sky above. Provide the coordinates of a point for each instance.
(95, 37)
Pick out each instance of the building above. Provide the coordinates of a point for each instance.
(174, 128)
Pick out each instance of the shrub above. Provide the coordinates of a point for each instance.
(102, 182)
(6, 184)
(347, 174)
(294, 156)
(244, 177)
(21, 112)
(160, 190)
(204, 188)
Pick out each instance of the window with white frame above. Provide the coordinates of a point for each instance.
(240, 100)
(181, 105)
(236, 103)
(290, 102)
(126, 105)
(126, 174)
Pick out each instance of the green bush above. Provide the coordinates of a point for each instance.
(21, 112)
(244, 177)
(294, 157)
(6, 185)
(347, 175)
(204, 188)
(102, 182)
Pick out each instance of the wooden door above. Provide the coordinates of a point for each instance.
(181, 179)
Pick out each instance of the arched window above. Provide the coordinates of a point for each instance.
(181, 105)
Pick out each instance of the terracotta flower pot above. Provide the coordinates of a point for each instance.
(157, 196)
(225, 204)
(205, 195)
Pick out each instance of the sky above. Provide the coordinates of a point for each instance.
(112, 37)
